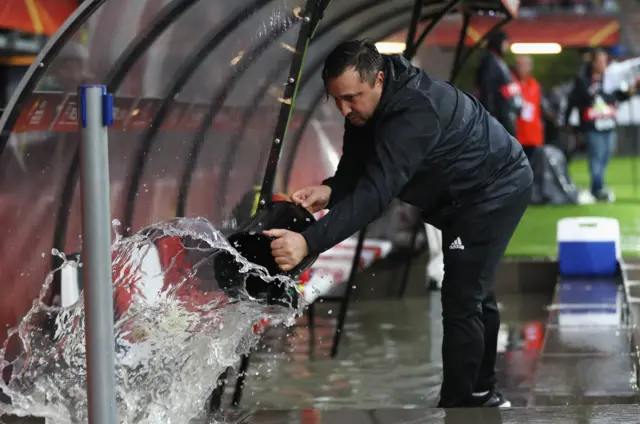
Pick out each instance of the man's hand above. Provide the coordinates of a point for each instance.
(313, 198)
(288, 249)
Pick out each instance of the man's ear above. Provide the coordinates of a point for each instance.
(379, 80)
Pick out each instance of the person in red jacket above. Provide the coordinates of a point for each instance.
(529, 125)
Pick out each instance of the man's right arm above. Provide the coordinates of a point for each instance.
(349, 169)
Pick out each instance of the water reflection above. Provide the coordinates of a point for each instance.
(389, 357)
(570, 415)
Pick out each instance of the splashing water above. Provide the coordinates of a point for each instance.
(176, 331)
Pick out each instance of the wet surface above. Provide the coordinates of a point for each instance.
(571, 415)
(566, 357)
(609, 414)
(585, 380)
(587, 357)
(594, 341)
(389, 357)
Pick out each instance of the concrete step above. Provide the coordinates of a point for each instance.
(588, 357)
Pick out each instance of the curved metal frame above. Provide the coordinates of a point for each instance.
(459, 63)
(413, 27)
(167, 16)
(234, 146)
(181, 78)
(40, 66)
(29, 82)
(115, 76)
(136, 49)
(324, 30)
(307, 31)
(217, 103)
(412, 48)
(462, 35)
(236, 142)
(195, 150)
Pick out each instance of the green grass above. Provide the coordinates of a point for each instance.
(536, 234)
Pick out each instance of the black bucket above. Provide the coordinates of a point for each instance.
(254, 246)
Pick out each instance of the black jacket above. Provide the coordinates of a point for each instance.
(498, 92)
(428, 144)
(596, 109)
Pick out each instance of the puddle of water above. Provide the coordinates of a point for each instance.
(389, 356)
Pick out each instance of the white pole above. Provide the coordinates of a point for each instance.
(96, 114)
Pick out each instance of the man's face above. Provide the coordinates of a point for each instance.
(600, 61)
(356, 100)
(523, 66)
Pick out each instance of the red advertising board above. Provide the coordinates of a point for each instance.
(58, 112)
(176, 112)
(39, 112)
(141, 116)
(67, 120)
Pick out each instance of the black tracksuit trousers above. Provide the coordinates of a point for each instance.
(473, 243)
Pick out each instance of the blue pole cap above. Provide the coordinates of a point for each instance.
(107, 105)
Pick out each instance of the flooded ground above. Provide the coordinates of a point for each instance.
(557, 415)
(389, 357)
(388, 367)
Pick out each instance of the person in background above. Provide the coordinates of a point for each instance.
(587, 57)
(597, 112)
(529, 125)
(552, 103)
(498, 92)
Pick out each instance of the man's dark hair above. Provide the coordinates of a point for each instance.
(359, 54)
(495, 41)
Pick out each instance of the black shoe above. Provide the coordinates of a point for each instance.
(490, 400)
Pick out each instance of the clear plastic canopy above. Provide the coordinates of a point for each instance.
(171, 64)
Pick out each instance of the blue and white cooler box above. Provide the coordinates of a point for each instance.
(588, 246)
